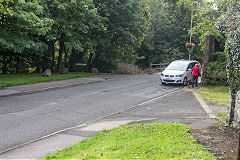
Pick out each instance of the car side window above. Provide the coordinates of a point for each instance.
(191, 65)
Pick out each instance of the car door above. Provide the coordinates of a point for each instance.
(189, 72)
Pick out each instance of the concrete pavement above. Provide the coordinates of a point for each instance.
(145, 113)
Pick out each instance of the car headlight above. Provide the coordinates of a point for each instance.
(162, 74)
(180, 75)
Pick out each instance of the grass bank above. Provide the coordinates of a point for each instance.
(217, 95)
(19, 79)
(138, 141)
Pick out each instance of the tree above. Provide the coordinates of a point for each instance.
(125, 24)
(233, 54)
(168, 33)
(4, 8)
(208, 20)
(19, 34)
(73, 29)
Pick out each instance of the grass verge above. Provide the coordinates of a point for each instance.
(222, 115)
(217, 95)
(20, 79)
(138, 141)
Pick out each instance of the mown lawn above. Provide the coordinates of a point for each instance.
(215, 94)
(18, 79)
(162, 141)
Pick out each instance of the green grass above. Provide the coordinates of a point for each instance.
(222, 115)
(163, 141)
(215, 94)
(19, 79)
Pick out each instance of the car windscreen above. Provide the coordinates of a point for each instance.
(177, 66)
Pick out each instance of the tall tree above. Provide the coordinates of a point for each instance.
(233, 54)
(19, 33)
(73, 27)
(126, 22)
(168, 32)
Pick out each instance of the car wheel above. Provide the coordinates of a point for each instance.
(190, 82)
(185, 81)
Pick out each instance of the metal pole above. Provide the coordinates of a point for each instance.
(191, 26)
(191, 33)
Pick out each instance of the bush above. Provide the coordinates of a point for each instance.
(216, 70)
(125, 68)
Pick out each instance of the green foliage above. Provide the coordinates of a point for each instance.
(208, 20)
(19, 35)
(216, 73)
(168, 33)
(5, 8)
(56, 33)
(74, 29)
(15, 29)
(233, 53)
(125, 24)
(41, 33)
(138, 141)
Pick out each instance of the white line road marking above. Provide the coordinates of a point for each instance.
(90, 122)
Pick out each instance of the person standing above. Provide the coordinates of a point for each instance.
(195, 74)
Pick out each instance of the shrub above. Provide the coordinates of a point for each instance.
(125, 68)
(216, 70)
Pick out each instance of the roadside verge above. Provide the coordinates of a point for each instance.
(204, 105)
(38, 87)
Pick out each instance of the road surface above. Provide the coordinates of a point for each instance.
(30, 116)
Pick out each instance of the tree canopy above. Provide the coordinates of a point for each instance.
(36, 35)
(55, 33)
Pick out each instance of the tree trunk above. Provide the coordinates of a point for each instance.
(9, 62)
(4, 62)
(49, 56)
(232, 91)
(210, 44)
(231, 107)
(72, 60)
(53, 54)
(17, 64)
(65, 59)
(96, 59)
(89, 63)
(61, 49)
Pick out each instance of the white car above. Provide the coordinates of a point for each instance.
(178, 72)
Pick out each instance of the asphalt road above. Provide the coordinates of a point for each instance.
(31, 116)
